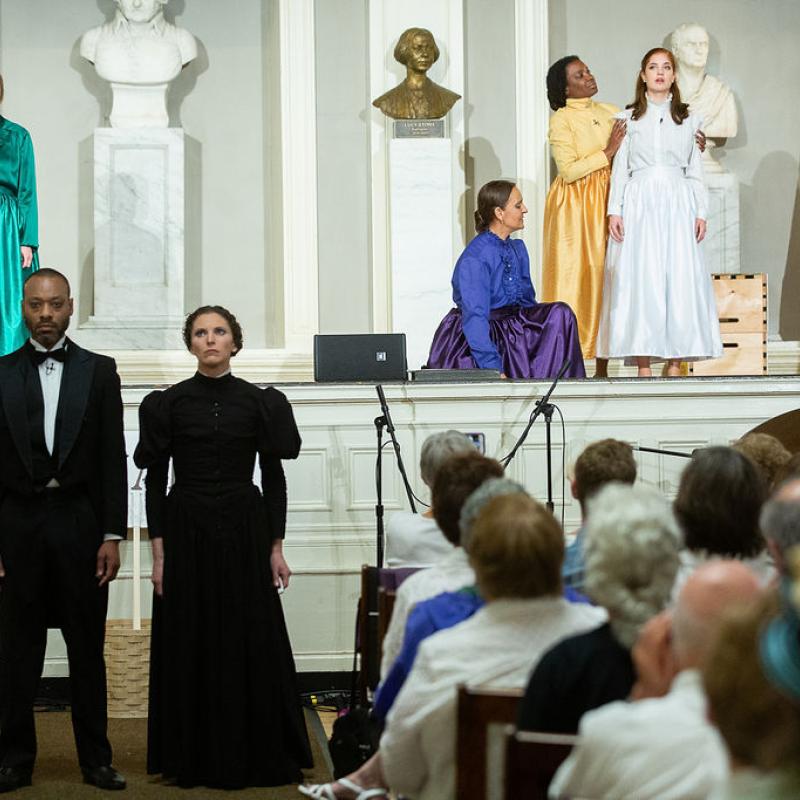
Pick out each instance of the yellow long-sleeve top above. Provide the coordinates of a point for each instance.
(578, 133)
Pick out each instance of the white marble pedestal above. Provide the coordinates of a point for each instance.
(421, 225)
(139, 240)
(722, 242)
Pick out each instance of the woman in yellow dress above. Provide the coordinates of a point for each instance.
(584, 137)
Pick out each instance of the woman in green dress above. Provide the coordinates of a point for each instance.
(19, 229)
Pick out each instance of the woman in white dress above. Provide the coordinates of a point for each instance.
(657, 299)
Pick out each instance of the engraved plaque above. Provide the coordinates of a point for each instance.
(419, 129)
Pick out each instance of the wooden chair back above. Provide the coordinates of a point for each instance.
(531, 761)
(378, 592)
(478, 708)
(386, 600)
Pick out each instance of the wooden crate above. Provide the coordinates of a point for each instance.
(742, 310)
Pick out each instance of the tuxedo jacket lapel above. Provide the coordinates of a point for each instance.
(76, 384)
(16, 411)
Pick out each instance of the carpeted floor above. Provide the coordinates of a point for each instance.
(57, 776)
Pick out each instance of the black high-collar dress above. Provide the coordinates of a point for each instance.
(224, 705)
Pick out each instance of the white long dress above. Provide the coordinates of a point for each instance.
(657, 295)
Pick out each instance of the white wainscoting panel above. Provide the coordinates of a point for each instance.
(331, 522)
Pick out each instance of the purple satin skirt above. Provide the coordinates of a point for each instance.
(533, 341)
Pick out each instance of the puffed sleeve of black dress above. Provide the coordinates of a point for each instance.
(278, 438)
(153, 454)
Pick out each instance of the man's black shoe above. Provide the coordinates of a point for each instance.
(103, 778)
(12, 778)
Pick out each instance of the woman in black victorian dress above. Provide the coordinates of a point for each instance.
(224, 705)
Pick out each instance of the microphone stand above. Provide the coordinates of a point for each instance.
(544, 407)
(381, 422)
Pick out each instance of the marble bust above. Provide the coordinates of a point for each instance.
(417, 97)
(707, 96)
(139, 53)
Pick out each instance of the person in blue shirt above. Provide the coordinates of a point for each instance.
(497, 323)
(600, 463)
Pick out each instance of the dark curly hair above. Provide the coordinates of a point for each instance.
(719, 501)
(236, 328)
(557, 82)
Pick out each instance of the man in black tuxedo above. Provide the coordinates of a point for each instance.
(63, 510)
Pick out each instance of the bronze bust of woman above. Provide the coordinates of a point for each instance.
(417, 97)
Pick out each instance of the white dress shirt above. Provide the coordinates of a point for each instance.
(659, 749)
(50, 373)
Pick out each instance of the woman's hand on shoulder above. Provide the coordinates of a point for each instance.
(700, 138)
(615, 139)
(616, 228)
(699, 229)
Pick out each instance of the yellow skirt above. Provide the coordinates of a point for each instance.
(574, 250)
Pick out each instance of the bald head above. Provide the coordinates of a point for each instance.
(780, 521)
(788, 492)
(707, 596)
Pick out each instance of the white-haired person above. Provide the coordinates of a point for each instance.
(516, 549)
(415, 540)
(632, 556)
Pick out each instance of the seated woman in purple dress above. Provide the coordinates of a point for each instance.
(497, 323)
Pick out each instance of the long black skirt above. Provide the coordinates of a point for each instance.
(224, 703)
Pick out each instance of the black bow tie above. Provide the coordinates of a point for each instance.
(40, 356)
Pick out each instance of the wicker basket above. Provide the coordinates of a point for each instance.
(127, 668)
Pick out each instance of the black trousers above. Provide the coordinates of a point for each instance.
(48, 544)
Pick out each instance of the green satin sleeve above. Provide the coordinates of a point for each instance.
(26, 195)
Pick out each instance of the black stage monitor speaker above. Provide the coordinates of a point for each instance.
(369, 357)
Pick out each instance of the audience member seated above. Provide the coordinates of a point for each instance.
(719, 501)
(455, 481)
(414, 540)
(600, 463)
(663, 748)
(516, 550)
(445, 609)
(767, 453)
(631, 549)
(780, 522)
(751, 680)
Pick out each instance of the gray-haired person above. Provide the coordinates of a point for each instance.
(631, 548)
(780, 522)
(414, 540)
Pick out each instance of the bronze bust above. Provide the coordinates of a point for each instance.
(417, 97)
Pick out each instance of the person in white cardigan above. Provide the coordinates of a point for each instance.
(455, 481)
(516, 550)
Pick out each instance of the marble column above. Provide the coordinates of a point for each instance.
(422, 209)
(139, 239)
